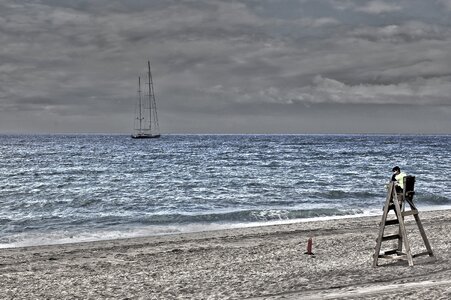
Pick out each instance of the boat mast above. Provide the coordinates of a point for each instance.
(140, 105)
(149, 76)
(152, 104)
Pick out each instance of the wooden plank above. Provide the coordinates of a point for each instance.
(403, 257)
(421, 254)
(410, 201)
(410, 212)
(391, 222)
(382, 224)
(423, 235)
(390, 237)
(403, 232)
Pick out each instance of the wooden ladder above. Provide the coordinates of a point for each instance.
(397, 202)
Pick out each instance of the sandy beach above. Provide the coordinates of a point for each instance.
(250, 263)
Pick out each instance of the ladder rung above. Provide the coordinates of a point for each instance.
(410, 212)
(421, 254)
(391, 237)
(392, 222)
(390, 252)
(404, 256)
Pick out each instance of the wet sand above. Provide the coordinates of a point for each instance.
(257, 263)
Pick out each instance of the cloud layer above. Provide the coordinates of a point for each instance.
(72, 66)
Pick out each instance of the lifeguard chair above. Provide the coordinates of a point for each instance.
(398, 203)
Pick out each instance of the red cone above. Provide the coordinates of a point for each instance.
(309, 246)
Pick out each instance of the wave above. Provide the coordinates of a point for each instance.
(4, 221)
(248, 216)
(340, 194)
(432, 199)
(114, 227)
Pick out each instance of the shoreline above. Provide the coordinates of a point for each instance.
(134, 232)
(263, 262)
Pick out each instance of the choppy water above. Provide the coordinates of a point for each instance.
(56, 188)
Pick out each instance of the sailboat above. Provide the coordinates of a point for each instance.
(146, 120)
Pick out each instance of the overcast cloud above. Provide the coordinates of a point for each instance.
(256, 66)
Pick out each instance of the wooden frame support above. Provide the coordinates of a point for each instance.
(398, 203)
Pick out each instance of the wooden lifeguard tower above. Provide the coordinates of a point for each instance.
(398, 203)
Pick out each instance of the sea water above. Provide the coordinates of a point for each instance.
(71, 188)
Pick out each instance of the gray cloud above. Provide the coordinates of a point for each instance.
(378, 7)
(67, 65)
(411, 31)
(446, 3)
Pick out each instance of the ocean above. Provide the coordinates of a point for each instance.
(73, 188)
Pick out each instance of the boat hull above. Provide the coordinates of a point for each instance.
(145, 136)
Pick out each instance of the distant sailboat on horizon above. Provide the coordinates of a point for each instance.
(146, 120)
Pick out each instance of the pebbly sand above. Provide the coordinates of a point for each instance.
(256, 263)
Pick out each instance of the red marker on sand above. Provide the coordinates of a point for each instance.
(309, 246)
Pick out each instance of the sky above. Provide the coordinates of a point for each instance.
(235, 66)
